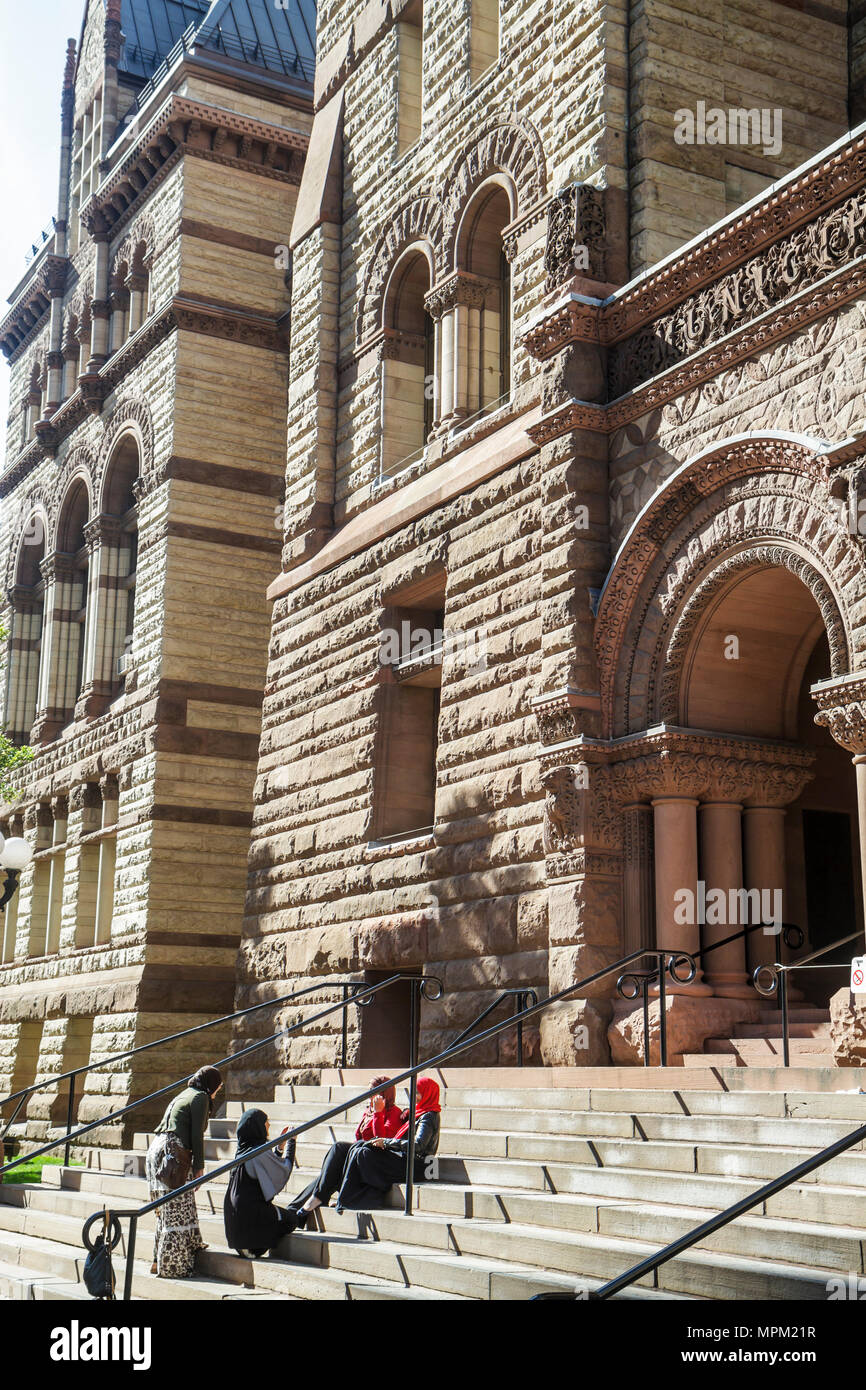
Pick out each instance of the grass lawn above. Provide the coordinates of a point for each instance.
(32, 1171)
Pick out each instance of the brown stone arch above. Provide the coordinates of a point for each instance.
(763, 497)
(503, 146)
(415, 223)
(35, 504)
(130, 416)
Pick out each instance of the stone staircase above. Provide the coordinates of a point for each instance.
(760, 1044)
(546, 1186)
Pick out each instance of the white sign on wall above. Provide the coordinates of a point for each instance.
(858, 975)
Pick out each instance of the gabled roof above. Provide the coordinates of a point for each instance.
(257, 32)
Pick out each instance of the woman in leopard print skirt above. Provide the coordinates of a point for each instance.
(181, 1132)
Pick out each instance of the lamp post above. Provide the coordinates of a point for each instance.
(15, 855)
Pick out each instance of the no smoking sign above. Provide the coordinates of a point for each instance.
(858, 975)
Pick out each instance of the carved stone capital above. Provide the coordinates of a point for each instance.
(458, 288)
(842, 710)
(102, 530)
(57, 568)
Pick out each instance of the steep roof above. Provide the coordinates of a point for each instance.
(152, 28)
(248, 31)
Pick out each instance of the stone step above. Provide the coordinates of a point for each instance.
(441, 1207)
(813, 1028)
(835, 1247)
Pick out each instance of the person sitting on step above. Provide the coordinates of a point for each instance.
(381, 1120)
(375, 1166)
(253, 1224)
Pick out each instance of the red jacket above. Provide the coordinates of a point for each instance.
(383, 1125)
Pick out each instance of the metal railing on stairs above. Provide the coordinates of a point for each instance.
(778, 982)
(354, 993)
(678, 964)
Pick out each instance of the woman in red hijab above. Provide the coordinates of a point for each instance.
(381, 1120)
(374, 1166)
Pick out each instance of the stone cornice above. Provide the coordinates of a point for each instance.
(674, 762)
(30, 310)
(810, 304)
(842, 710)
(187, 127)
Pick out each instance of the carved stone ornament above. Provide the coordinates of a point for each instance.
(842, 711)
(807, 255)
(575, 236)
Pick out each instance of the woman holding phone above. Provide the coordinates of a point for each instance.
(380, 1120)
(253, 1224)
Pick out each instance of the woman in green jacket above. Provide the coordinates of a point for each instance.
(179, 1136)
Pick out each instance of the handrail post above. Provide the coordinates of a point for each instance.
(344, 1051)
(518, 1010)
(783, 992)
(646, 1021)
(130, 1259)
(415, 989)
(70, 1107)
(663, 1014)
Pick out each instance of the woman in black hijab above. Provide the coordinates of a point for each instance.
(253, 1224)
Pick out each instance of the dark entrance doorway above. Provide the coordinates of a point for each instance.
(385, 1023)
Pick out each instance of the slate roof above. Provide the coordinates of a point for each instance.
(246, 31)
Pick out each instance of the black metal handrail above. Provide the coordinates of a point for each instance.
(778, 984)
(522, 997)
(668, 962)
(354, 992)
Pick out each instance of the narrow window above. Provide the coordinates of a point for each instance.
(483, 37)
(406, 762)
(410, 66)
(408, 386)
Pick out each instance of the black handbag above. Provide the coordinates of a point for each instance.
(175, 1167)
(98, 1273)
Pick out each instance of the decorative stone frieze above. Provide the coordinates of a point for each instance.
(575, 236)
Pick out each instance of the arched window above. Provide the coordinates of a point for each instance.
(408, 365)
(70, 607)
(481, 254)
(116, 554)
(27, 600)
(483, 36)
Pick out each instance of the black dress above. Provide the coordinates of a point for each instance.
(252, 1222)
(371, 1172)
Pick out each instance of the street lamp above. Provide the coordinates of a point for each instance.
(15, 855)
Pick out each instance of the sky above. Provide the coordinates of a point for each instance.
(33, 35)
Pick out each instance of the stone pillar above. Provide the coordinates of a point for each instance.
(722, 871)
(56, 696)
(676, 869)
(107, 546)
(54, 384)
(24, 646)
(638, 887)
(764, 834)
(136, 284)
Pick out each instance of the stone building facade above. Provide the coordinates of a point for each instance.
(554, 430)
(575, 381)
(144, 469)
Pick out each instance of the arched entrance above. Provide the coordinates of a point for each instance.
(757, 649)
(730, 652)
